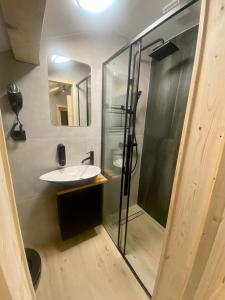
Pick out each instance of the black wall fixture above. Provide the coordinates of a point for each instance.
(61, 150)
(16, 102)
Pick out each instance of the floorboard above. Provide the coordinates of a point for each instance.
(88, 267)
(144, 242)
(144, 246)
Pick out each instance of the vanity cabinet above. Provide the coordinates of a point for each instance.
(80, 207)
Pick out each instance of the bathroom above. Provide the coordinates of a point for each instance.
(103, 126)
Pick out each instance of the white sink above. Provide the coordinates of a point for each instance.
(118, 163)
(72, 175)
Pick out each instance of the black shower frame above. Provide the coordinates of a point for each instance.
(172, 13)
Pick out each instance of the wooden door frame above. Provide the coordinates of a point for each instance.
(60, 108)
(6, 290)
(71, 100)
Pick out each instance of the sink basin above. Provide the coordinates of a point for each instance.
(118, 163)
(72, 175)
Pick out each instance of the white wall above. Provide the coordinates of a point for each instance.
(28, 160)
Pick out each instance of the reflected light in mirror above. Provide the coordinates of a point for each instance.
(94, 6)
(58, 59)
(69, 89)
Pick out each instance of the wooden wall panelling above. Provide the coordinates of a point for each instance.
(15, 280)
(211, 255)
(211, 243)
(198, 187)
(24, 20)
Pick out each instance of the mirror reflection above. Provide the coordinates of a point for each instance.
(69, 84)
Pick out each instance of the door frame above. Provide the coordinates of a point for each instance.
(192, 263)
(15, 279)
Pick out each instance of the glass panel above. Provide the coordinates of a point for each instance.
(142, 130)
(129, 151)
(164, 82)
(114, 115)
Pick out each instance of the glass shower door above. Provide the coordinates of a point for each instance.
(118, 96)
(115, 81)
(129, 141)
(141, 138)
(158, 129)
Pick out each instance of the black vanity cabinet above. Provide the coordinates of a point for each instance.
(80, 208)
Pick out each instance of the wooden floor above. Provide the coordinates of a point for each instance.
(88, 267)
(144, 246)
(144, 243)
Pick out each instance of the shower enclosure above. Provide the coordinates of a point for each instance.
(145, 93)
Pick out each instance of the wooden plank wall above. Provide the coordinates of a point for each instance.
(24, 20)
(193, 260)
(15, 280)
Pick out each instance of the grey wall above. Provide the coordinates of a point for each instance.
(28, 160)
(168, 94)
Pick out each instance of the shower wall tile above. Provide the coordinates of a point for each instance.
(145, 70)
(168, 95)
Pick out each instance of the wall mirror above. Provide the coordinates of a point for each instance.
(69, 85)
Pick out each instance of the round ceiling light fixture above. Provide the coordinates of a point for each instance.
(58, 59)
(94, 6)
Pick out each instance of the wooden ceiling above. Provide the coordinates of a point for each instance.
(24, 22)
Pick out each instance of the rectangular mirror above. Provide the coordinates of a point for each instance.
(69, 85)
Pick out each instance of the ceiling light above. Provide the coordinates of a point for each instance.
(94, 6)
(58, 59)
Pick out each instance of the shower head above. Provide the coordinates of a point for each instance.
(164, 50)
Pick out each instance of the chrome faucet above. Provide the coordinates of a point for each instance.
(91, 158)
